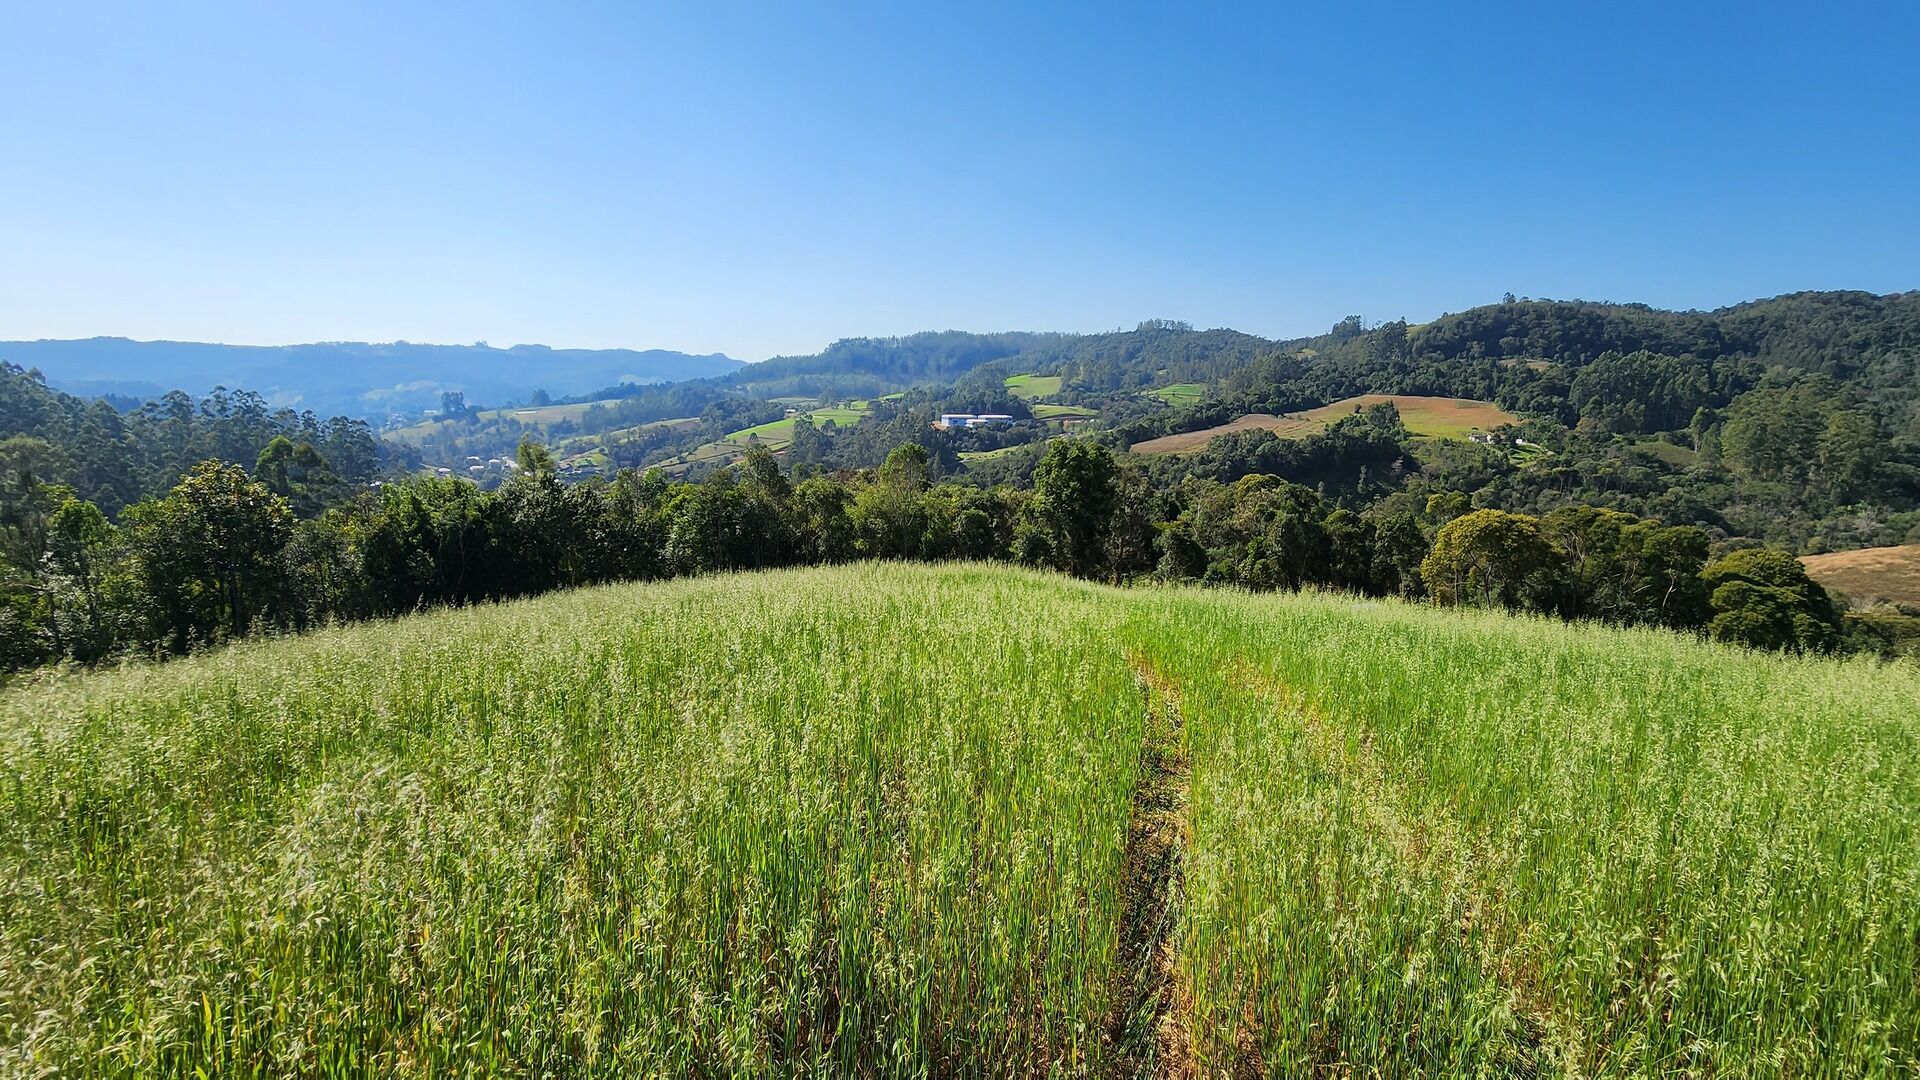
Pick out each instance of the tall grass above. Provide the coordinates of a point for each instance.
(875, 820)
(1451, 842)
(821, 821)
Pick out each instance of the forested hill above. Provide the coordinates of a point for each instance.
(1595, 461)
(350, 378)
(1833, 332)
(853, 367)
(115, 459)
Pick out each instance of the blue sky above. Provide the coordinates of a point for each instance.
(759, 180)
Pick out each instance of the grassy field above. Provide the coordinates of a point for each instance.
(1435, 417)
(811, 821)
(1055, 412)
(1186, 393)
(1287, 427)
(1029, 387)
(1883, 573)
(538, 417)
(780, 432)
(1680, 457)
(774, 435)
(1440, 417)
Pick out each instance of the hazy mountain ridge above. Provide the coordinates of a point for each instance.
(361, 379)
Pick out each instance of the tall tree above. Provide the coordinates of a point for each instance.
(1075, 490)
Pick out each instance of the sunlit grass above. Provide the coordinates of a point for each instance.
(872, 819)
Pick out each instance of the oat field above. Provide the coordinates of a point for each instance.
(935, 821)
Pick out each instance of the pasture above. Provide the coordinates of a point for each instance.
(1286, 427)
(1870, 574)
(811, 821)
(1439, 417)
(1033, 387)
(1042, 411)
(774, 435)
(1433, 417)
(1179, 393)
(536, 417)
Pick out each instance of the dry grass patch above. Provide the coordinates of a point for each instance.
(1882, 573)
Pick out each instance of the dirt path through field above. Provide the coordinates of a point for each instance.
(1147, 1028)
(1431, 845)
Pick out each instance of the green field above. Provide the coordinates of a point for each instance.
(538, 417)
(774, 435)
(1186, 393)
(898, 820)
(1054, 412)
(1030, 387)
(780, 432)
(989, 455)
(1431, 417)
(1680, 457)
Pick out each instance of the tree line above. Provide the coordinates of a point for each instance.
(229, 551)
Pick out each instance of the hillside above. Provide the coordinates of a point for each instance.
(356, 379)
(1434, 417)
(1870, 574)
(810, 819)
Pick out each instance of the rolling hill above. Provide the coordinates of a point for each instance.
(351, 378)
(1434, 417)
(885, 819)
(1870, 574)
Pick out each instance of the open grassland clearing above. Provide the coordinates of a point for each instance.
(1435, 417)
(812, 821)
(1440, 417)
(1870, 574)
(1004, 451)
(1187, 393)
(1030, 387)
(1670, 454)
(1287, 427)
(781, 431)
(538, 417)
(1044, 411)
(574, 444)
(774, 435)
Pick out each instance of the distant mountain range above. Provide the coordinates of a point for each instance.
(349, 378)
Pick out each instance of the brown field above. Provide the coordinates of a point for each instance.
(1882, 573)
(1440, 417)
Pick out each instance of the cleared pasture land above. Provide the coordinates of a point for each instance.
(888, 820)
(1439, 417)
(1031, 387)
(1287, 427)
(538, 417)
(1436, 417)
(1186, 393)
(1882, 573)
(1055, 412)
(774, 435)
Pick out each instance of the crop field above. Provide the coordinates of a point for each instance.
(1030, 387)
(814, 821)
(1435, 417)
(1882, 573)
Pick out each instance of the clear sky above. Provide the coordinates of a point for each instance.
(762, 179)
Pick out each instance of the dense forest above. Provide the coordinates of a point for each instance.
(1678, 461)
